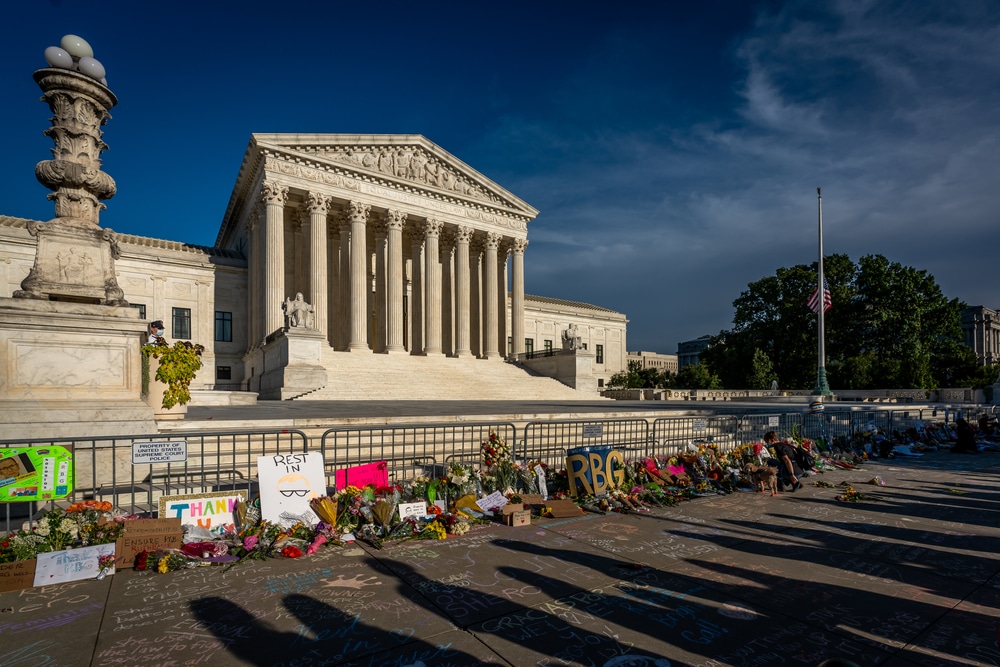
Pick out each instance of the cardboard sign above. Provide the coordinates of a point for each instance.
(287, 483)
(211, 511)
(147, 535)
(510, 508)
(159, 452)
(532, 499)
(561, 509)
(17, 575)
(594, 469)
(35, 473)
(491, 502)
(59, 567)
(361, 476)
(521, 518)
(412, 510)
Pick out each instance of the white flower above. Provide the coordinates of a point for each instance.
(42, 528)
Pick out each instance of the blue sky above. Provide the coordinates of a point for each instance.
(673, 148)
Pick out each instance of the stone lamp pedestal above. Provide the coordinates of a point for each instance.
(69, 343)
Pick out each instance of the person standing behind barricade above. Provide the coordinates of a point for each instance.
(155, 331)
(788, 469)
(965, 441)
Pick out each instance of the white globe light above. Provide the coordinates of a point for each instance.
(91, 67)
(56, 57)
(76, 46)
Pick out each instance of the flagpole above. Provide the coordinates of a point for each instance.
(822, 388)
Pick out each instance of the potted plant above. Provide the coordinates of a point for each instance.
(175, 367)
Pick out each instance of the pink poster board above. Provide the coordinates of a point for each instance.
(361, 476)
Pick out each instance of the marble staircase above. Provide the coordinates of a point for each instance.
(371, 377)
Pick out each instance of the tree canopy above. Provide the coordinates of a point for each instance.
(890, 326)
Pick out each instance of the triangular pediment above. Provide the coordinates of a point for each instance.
(406, 160)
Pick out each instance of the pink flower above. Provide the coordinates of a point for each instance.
(249, 542)
(316, 544)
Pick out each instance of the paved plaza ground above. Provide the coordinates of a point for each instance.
(910, 576)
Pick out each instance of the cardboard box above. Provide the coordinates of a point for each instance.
(562, 509)
(532, 500)
(147, 535)
(17, 575)
(510, 508)
(518, 518)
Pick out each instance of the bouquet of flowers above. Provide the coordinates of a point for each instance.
(500, 472)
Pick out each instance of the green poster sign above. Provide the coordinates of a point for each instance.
(35, 473)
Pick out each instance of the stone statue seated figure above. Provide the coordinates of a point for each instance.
(571, 338)
(298, 313)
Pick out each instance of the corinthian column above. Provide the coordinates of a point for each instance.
(394, 282)
(318, 206)
(357, 213)
(416, 291)
(274, 197)
(333, 284)
(517, 296)
(490, 288)
(432, 272)
(462, 292)
(503, 328)
(380, 229)
(344, 307)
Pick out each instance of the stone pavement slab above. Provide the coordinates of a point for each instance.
(912, 578)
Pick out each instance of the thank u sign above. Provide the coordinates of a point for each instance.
(593, 470)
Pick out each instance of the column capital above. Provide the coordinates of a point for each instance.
(380, 226)
(415, 235)
(395, 219)
(463, 234)
(344, 222)
(272, 192)
(492, 240)
(358, 211)
(519, 246)
(433, 227)
(317, 203)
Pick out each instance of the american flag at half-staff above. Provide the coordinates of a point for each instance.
(813, 302)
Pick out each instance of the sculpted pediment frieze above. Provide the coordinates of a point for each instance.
(417, 163)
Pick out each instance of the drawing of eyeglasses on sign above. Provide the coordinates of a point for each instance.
(295, 486)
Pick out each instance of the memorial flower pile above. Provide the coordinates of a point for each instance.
(500, 472)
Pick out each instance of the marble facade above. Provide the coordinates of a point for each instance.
(397, 246)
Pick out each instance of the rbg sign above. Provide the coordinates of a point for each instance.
(594, 470)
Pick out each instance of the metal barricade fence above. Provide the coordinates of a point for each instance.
(752, 428)
(409, 451)
(672, 436)
(547, 442)
(903, 420)
(103, 468)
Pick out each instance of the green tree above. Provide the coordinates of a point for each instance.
(637, 377)
(890, 326)
(697, 376)
(761, 371)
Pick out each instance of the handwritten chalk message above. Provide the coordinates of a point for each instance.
(211, 511)
(159, 452)
(57, 567)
